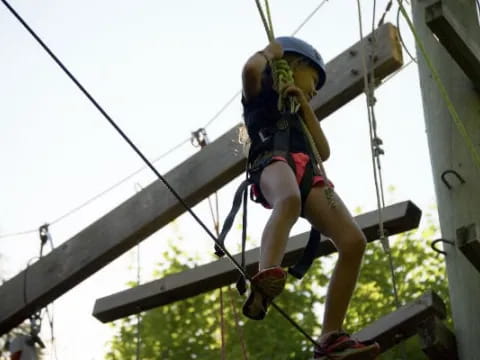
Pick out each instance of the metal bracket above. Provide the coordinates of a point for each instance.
(469, 244)
(462, 45)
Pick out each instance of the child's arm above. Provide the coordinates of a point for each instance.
(315, 129)
(311, 121)
(253, 69)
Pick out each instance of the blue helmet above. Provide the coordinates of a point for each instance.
(291, 44)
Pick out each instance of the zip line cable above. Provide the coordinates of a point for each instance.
(149, 164)
(214, 117)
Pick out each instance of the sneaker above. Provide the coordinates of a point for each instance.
(340, 346)
(265, 285)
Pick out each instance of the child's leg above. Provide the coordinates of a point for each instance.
(337, 224)
(279, 187)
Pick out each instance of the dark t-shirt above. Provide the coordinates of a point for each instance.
(261, 115)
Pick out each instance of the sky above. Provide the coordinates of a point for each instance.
(162, 70)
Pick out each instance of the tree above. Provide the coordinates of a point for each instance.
(190, 329)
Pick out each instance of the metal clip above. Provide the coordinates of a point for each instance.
(199, 138)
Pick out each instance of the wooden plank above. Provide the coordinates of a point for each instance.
(345, 72)
(469, 244)
(404, 322)
(154, 207)
(397, 218)
(437, 341)
(462, 47)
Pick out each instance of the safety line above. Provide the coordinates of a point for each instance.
(443, 92)
(377, 170)
(376, 151)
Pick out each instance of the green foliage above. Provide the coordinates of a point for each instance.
(190, 329)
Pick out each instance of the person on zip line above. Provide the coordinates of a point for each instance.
(286, 178)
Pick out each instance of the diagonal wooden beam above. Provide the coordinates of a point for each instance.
(397, 218)
(399, 325)
(154, 207)
(462, 47)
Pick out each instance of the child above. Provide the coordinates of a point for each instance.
(279, 161)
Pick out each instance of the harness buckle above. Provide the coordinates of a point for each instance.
(263, 136)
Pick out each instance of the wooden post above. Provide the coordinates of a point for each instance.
(456, 176)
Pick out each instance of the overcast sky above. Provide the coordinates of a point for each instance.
(161, 70)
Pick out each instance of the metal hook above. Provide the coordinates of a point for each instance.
(443, 176)
(199, 138)
(438, 250)
(43, 232)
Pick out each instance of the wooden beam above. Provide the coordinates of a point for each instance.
(154, 207)
(462, 47)
(397, 218)
(404, 322)
(469, 244)
(438, 342)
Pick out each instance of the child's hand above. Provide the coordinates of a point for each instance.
(273, 51)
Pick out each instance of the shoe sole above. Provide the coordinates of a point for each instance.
(257, 302)
(254, 308)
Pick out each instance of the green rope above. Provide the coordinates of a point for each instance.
(443, 92)
(271, 36)
(264, 20)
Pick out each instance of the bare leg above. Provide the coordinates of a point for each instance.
(280, 189)
(337, 224)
